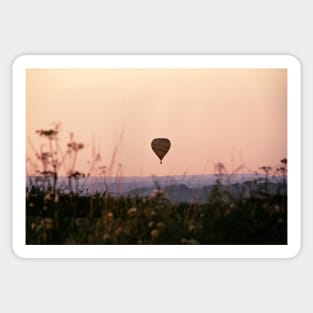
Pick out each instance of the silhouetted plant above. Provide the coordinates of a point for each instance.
(68, 215)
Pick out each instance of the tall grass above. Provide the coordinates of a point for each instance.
(64, 214)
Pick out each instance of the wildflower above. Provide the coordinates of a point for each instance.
(76, 175)
(106, 236)
(47, 197)
(191, 227)
(39, 227)
(153, 213)
(154, 233)
(220, 168)
(161, 226)
(48, 223)
(132, 212)
(266, 169)
(157, 193)
(50, 133)
(118, 230)
(110, 216)
(43, 156)
(47, 173)
(75, 146)
(151, 224)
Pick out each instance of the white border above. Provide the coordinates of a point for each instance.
(156, 61)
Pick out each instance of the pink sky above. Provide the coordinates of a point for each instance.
(231, 116)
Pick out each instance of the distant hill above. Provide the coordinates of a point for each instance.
(182, 193)
(188, 188)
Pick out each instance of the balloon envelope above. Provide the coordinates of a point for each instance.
(160, 147)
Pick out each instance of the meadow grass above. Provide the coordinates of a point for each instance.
(66, 215)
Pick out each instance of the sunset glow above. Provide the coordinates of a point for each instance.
(233, 116)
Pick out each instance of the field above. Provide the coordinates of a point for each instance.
(67, 215)
(56, 217)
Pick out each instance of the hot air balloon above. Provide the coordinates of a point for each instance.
(160, 147)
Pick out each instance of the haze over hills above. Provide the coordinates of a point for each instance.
(182, 188)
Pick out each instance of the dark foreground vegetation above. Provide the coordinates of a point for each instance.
(59, 218)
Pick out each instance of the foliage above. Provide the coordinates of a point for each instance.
(55, 217)
(65, 215)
